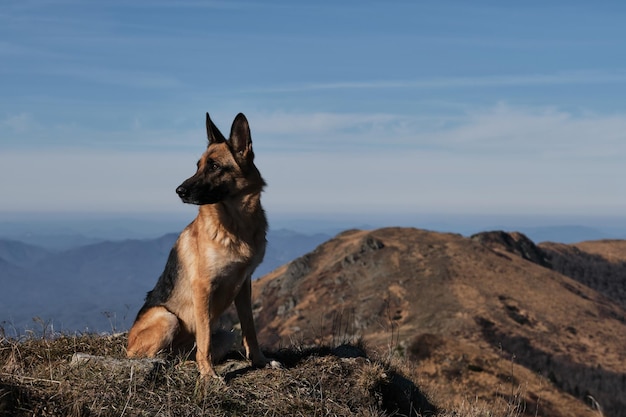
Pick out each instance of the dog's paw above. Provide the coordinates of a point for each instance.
(274, 364)
(211, 381)
(207, 372)
(216, 379)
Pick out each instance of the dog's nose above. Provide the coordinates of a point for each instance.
(182, 191)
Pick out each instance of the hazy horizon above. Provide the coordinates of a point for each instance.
(131, 225)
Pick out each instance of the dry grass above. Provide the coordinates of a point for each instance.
(38, 377)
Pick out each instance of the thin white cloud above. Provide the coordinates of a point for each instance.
(27, 131)
(9, 49)
(319, 122)
(505, 128)
(127, 78)
(561, 78)
(192, 4)
(498, 130)
(17, 123)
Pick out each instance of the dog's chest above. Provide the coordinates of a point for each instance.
(230, 258)
(217, 256)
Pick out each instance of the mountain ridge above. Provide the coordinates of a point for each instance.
(492, 302)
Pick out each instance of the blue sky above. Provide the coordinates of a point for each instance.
(355, 107)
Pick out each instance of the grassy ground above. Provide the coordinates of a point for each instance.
(38, 377)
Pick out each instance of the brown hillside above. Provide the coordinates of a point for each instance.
(600, 265)
(480, 319)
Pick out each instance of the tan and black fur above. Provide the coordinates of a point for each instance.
(211, 263)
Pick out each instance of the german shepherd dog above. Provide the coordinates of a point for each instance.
(212, 262)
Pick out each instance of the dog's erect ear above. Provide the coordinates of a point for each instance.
(240, 140)
(212, 132)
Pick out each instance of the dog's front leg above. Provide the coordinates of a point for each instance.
(201, 295)
(243, 303)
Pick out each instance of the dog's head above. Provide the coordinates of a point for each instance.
(226, 169)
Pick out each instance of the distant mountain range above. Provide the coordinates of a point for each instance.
(67, 231)
(100, 286)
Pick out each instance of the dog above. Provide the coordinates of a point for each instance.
(212, 261)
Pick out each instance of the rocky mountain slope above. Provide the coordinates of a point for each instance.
(600, 265)
(483, 319)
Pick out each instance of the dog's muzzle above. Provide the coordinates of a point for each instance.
(192, 194)
(182, 192)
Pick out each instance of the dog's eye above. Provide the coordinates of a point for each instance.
(213, 166)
